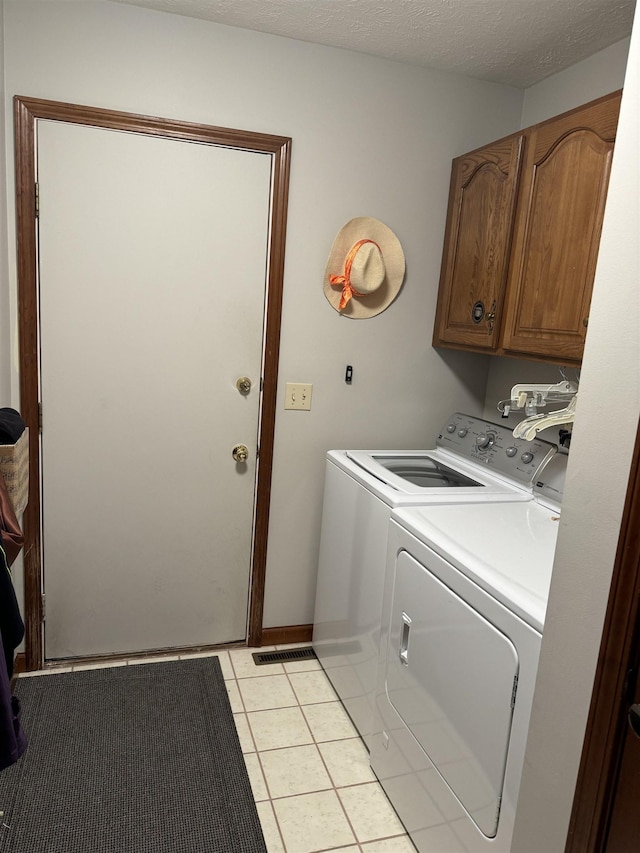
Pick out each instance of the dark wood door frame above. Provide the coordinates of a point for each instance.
(26, 113)
(615, 680)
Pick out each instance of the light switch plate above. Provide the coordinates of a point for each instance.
(298, 396)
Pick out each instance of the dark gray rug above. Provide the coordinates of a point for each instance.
(132, 759)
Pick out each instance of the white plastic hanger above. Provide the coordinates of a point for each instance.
(531, 426)
(532, 397)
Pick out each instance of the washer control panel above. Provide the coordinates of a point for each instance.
(494, 445)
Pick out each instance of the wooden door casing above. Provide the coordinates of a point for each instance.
(616, 679)
(26, 113)
(623, 830)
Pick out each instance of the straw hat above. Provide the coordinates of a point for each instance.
(365, 269)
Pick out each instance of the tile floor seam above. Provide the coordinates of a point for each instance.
(257, 674)
(322, 849)
(279, 828)
(295, 693)
(264, 776)
(299, 793)
(346, 814)
(356, 740)
(294, 690)
(277, 823)
(316, 704)
(240, 696)
(304, 719)
(329, 773)
(296, 702)
(333, 788)
(303, 794)
(253, 740)
(336, 789)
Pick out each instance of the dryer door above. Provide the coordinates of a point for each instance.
(451, 676)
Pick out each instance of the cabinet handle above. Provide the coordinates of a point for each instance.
(491, 316)
(585, 322)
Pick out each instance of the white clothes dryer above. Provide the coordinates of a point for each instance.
(473, 461)
(464, 603)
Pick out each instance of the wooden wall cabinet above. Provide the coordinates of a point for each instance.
(522, 237)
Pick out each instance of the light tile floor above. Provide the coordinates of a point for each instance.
(309, 770)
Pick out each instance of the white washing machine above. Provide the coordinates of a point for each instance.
(464, 603)
(473, 461)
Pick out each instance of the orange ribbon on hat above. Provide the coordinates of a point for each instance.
(348, 290)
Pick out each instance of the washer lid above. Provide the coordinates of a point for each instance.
(433, 473)
(423, 471)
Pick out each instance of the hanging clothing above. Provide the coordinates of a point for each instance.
(11, 426)
(13, 741)
(10, 530)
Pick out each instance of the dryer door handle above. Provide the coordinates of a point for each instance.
(404, 640)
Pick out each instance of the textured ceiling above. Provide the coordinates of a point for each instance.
(517, 42)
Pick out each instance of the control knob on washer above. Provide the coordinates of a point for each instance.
(527, 457)
(484, 440)
(511, 452)
(451, 427)
(462, 432)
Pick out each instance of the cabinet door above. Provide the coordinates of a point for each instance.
(476, 248)
(558, 223)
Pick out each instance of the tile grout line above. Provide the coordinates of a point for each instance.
(314, 742)
(264, 776)
(275, 814)
(335, 787)
(271, 799)
(324, 764)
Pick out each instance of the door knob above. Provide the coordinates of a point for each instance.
(240, 452)
(243, 384)
(634, 719)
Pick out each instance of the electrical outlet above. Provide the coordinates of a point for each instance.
(297, 396)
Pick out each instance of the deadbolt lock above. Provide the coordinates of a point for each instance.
(240, 452)
(243, 384)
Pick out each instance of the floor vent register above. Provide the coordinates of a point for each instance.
(285, 656)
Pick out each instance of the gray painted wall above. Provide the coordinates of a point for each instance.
(370, 137)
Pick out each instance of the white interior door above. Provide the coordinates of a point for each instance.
(152, 257)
